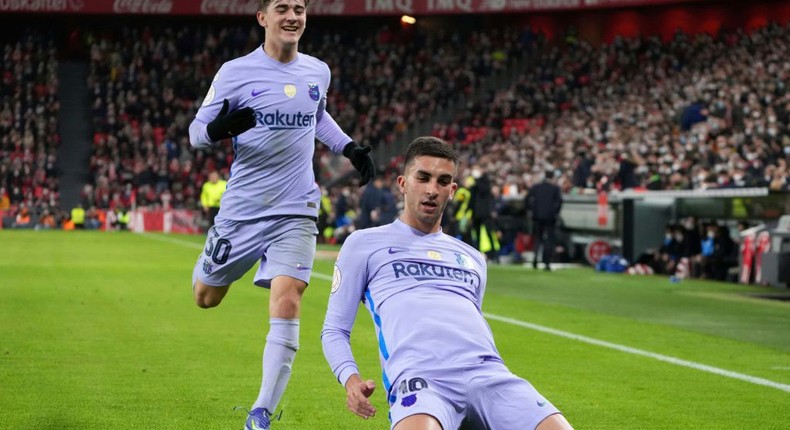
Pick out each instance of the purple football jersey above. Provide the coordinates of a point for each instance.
(424, 293)
(272, 171)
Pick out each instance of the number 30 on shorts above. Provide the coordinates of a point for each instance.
(218, 251)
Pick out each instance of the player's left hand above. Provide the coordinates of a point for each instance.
(361, 160)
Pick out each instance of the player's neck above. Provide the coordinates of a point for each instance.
(420, 226)
(281, 53)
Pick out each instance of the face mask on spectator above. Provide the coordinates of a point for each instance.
(711, 234)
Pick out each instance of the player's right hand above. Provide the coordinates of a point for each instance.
(227, 125)
(357, 393)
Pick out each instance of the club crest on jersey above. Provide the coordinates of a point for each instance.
(289, 90)
(434, 255)
(207, 267)
(463, 260)
(409, 400)
(313, 91)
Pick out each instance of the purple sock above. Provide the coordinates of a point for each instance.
(278, 356)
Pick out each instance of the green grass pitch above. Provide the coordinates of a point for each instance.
(99, 330)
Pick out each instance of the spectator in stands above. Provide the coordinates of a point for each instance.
(68, 224)
(370, 203)
(23, 218)
(672, 249)
(211, 195)
(626, 174)
(703, 264)
(94, 219)
(582, 168)
(389, 205)
(725, 254)
(46, 221)
(5, 201)
(544, 202)
(272, 103)
(16, 197)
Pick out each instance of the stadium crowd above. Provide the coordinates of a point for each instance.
(697, 112)
(608, 117)
(29, 135)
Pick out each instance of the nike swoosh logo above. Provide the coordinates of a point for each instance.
(395, 250)
(300, 268)
(541, 404)
(257, 93)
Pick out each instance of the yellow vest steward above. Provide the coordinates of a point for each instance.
(211, 194)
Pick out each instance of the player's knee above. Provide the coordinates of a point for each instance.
(286, 298)
(285, 306)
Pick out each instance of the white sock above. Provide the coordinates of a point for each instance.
(278, 357)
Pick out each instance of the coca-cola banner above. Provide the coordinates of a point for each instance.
(317, 7)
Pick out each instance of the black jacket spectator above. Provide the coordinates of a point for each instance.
(544, 201)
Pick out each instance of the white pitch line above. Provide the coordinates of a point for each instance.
(629, 350)
(322, 276)
(573, 336)
(170, 239)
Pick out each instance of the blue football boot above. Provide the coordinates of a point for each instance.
(258, 419)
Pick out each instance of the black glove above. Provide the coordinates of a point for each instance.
(361, 160)
(227, 125)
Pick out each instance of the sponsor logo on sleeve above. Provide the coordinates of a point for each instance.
(212, 92)
(336, 279)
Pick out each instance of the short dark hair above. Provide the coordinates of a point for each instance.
(430, 146)
(263, 4)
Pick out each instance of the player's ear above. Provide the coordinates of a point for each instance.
(453, 187)
(402, 184)
(261, 17)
